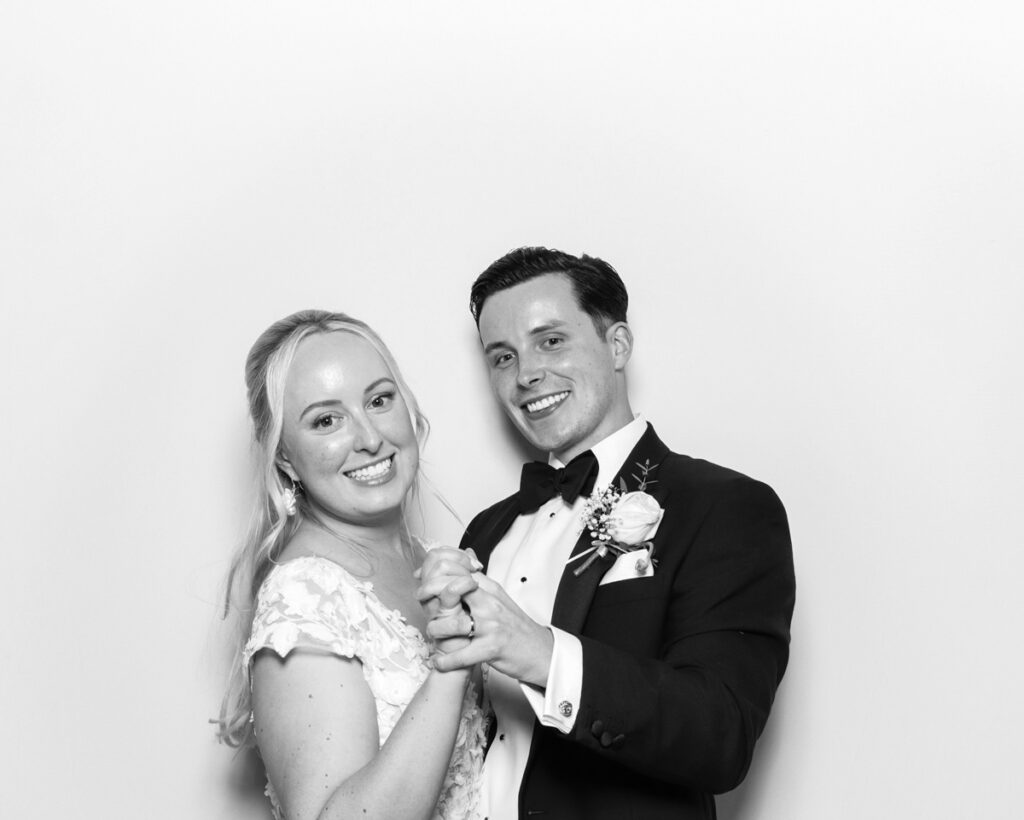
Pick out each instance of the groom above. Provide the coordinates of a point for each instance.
(634, 641)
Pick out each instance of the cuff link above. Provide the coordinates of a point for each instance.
(565, 709)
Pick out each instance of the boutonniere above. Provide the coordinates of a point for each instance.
(622, 521)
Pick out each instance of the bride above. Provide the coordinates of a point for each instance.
(333, 681)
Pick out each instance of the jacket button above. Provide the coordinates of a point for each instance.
(606, 739)
(596, 728)
(617, 741)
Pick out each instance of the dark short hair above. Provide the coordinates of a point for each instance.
(598, 288)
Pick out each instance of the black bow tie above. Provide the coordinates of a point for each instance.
(541, 482)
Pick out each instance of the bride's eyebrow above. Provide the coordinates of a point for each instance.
(383, 380)
(317, 405)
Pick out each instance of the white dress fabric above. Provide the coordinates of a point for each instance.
(314, 604)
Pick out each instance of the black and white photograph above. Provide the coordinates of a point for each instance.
(469, 411)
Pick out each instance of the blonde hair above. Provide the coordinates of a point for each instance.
(270, 527)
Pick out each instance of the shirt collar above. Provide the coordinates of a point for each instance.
(612, 450)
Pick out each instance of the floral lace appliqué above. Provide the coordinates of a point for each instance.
(315, 604)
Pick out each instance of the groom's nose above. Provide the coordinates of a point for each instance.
(530, 372)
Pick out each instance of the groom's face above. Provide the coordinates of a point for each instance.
(551, 371)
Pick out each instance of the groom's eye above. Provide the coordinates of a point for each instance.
(552, 341)
(502, 359)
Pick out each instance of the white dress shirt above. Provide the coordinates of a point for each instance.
(528, 563)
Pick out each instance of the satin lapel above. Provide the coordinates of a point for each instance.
(489, 536)
(575, 593)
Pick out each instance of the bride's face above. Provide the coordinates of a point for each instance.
(347, 435)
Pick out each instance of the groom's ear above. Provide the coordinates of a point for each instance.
(620, 337)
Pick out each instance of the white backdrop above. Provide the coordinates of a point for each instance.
(817, 208)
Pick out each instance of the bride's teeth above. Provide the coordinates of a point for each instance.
(372, 471)
(547, 401)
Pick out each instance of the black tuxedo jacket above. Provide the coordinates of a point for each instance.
(680, 668)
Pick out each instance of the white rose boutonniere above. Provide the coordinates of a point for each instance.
(622, 521)
(634, 518)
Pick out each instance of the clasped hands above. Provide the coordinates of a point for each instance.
(473, 620)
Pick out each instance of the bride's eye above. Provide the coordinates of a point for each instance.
(325, 422)
(381, 401)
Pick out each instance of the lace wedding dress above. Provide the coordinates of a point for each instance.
(314, 604)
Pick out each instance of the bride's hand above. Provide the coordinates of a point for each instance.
(450, 561)
(445, 577)
(449, 610)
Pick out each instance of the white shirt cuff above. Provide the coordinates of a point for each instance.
(557, 704)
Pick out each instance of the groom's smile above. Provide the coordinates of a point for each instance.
(539, 408)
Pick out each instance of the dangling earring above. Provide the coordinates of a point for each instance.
(289, 497)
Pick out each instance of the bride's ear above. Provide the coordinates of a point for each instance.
(285, 466)
(620, 337)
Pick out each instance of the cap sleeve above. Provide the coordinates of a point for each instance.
(312, 604)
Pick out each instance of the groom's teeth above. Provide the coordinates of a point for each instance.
(371, 471)
(547, 401)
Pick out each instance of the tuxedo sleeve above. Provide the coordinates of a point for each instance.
(691, 711)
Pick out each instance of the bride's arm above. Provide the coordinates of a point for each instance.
(316, 727)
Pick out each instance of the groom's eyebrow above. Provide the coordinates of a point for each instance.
(539, 330)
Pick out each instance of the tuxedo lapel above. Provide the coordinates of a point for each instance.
(572, 600)
(575, 592)
(488, 537)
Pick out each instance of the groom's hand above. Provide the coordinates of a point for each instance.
(504, 636)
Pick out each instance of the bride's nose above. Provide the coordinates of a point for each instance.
(367, 437)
